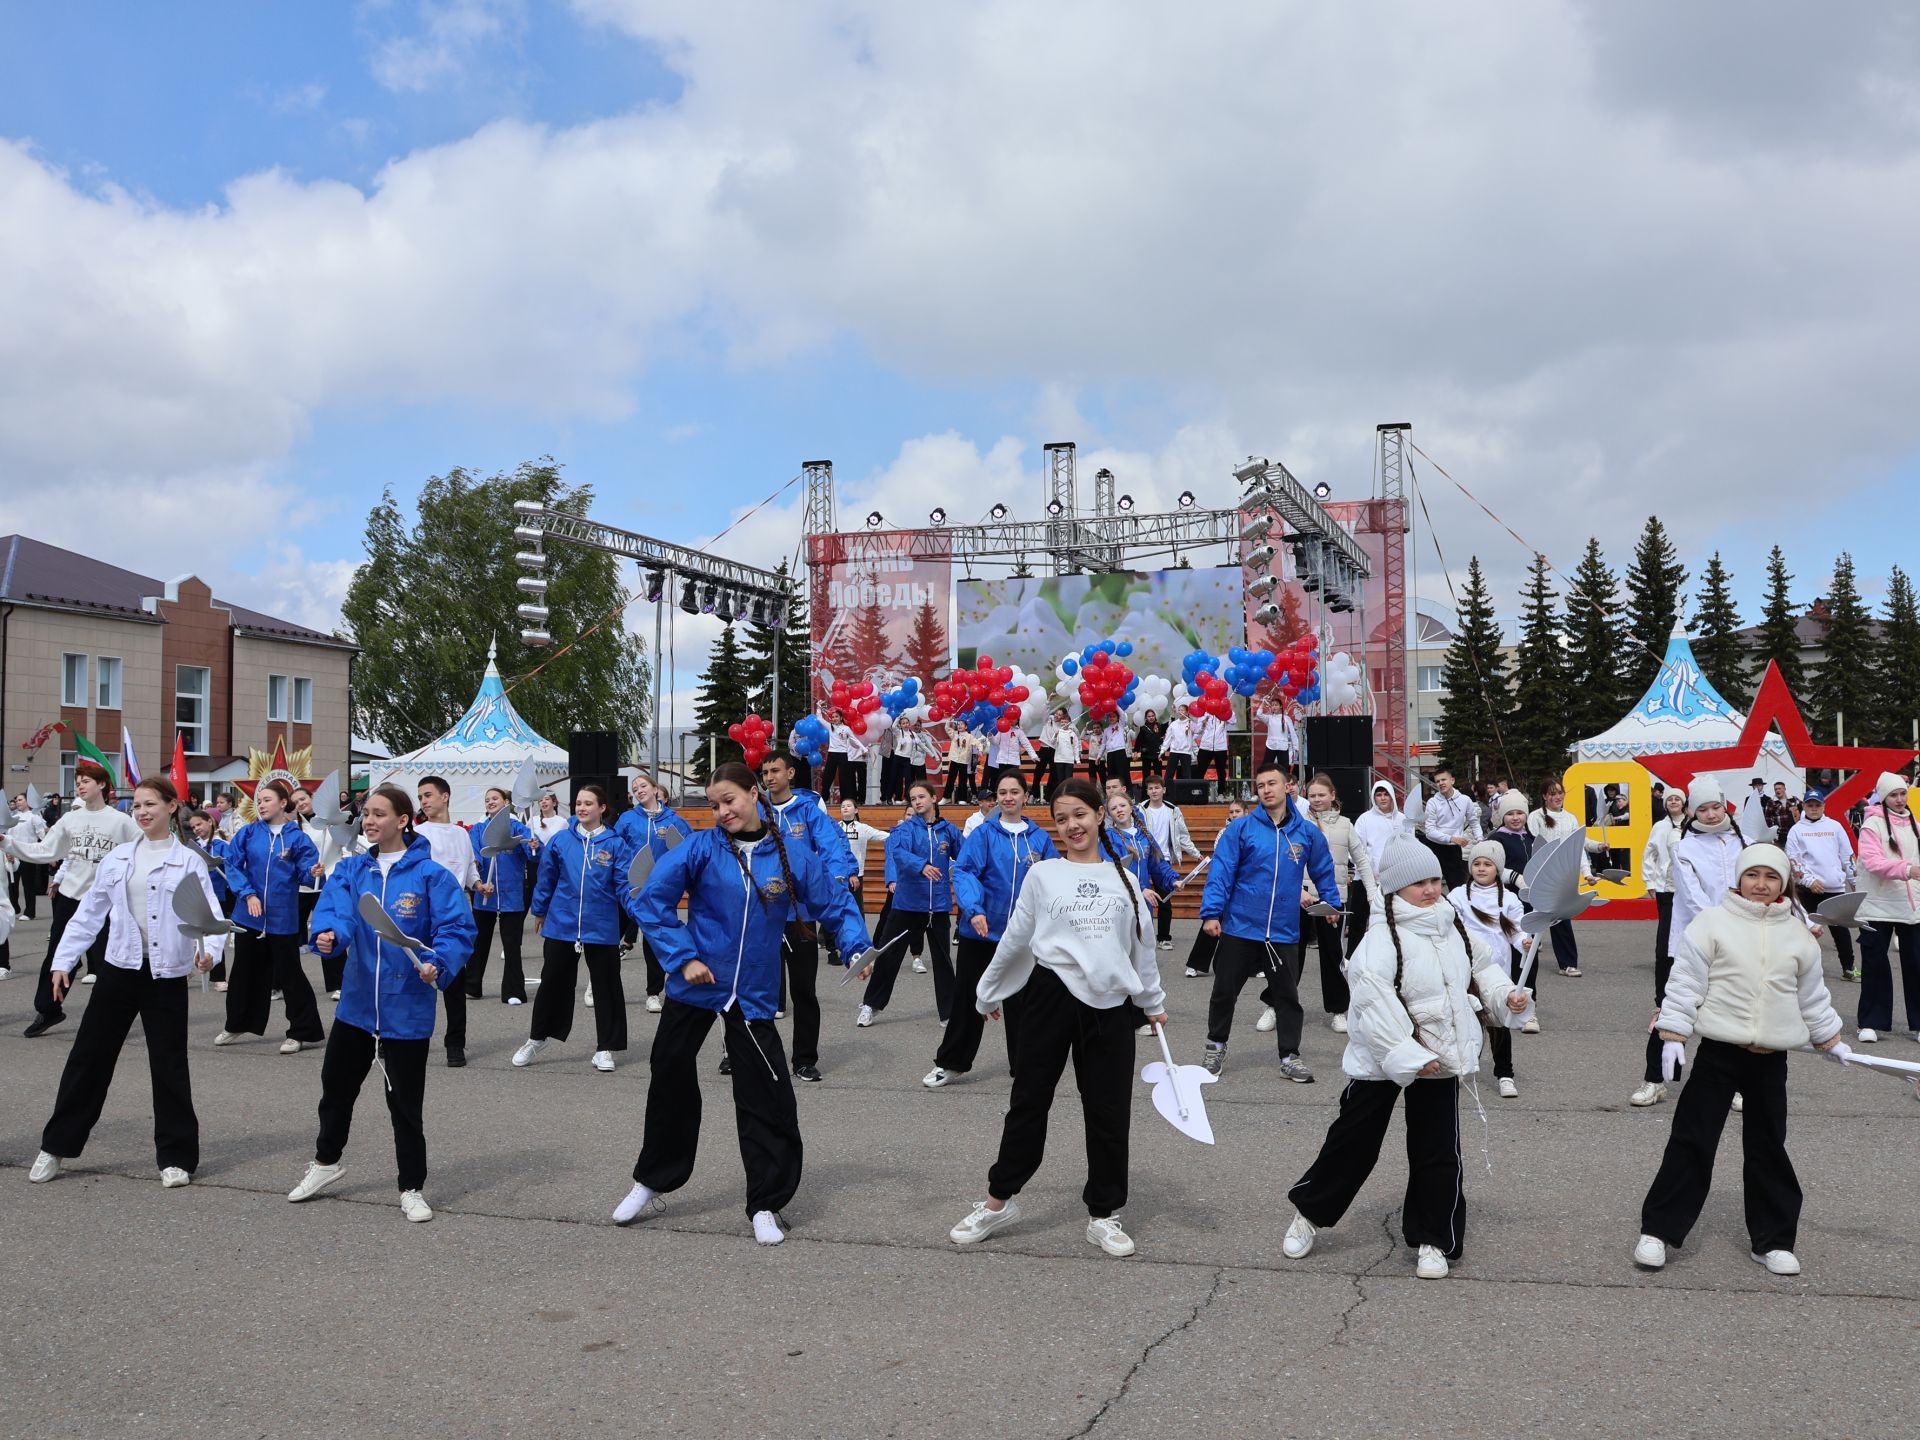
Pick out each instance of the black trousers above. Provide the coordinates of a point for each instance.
(118, 996)
(261, 965)
(1662, 968)
(1453, 865)
(1205, 947)
(1150, 765)
(1663, 926)
(656, 973)
(1119, 766)
(959, 781)
(1216, 761)
(96, 961)
(1499, 1034)
(1876, 974)
(1334, 997)
(1042, 768)
(1058, 775)
(1842, 936)
(960, 1041)
(349, 1057)
(1720, 1071)
(893, 778)
(553, 1006)
(1163, 919)
(1179, 765)
(1566, 949)
(455, 1000)
(25, 887)
(853, 781)
(887, 968)
(1434, 1211)
(1054, 1026)
(513, 975)
(1359, 915)
(1238, 961)
(800, 951)
(765, 1115)
(832, 769)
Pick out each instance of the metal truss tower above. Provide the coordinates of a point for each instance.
(1063, 507)
(1388, 519)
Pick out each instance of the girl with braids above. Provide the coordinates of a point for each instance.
(1490, 913)
(1078, 946)
(1412, 1027)
(742, 882)
(267, 861)
(1890, 874)
(145, 974)
(920, 855)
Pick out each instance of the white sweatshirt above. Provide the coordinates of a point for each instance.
(82, 838)
(1497, 902)
(1656, 861)
(452, 849)
(1819, 851)
(1082, 922)
(1703, 871)
(859, 836)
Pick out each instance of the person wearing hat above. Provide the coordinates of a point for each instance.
(1746, 985)
(1890, 874)
(1823, 867)
(1656, 872)
(1704, 855)
(1491, 912)
(1417, 960)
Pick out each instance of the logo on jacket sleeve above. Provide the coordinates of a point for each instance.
(404, 907)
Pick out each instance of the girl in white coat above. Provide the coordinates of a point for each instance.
(1412, 1027)
(1704, 858)
(1491, 913)
(1656, 872)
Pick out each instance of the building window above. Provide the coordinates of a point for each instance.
(106, 675)
(1429, 730)
(73, 681)
(276, 697)
(302, 701)
(68, 760)
(192, 704)
(1431, 678)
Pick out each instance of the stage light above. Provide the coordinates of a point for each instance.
(1054, 508)
(537, 639)
(1339, 604)
(1263, 587)
(529, 534)
(533, 614)
(1186, 499)
(760, 611)
(776, 614)
(527, 507)
(1267, 614)
(533, 587)
(656, 585)
(530, 559)
(1125, 502)
(709, 598)
(937, 515)
(1259, 559)
(687, 601)
(1322, 490)
(875, 520)
(1257, 531)
(725, 608)
(998, 512)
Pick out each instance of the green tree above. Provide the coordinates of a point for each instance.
(796, 672)
(1896, 668)
(1477, 702)
(927, 645)
(722, 701)
(1656, 582)
(1596, 647)
(868, 648)
(1779, 638)
(1537, 735)
(1846, 690)
(429, 600)
(1716, 636)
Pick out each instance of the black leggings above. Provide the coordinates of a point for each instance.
(513, 978)
(349, 1058)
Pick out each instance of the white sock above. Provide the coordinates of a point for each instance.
(637, 1200)
(766, 1229)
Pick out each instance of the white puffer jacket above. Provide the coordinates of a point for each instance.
(1656, 861)
(1395, 1035)
(1703, 867)
(1749, 974)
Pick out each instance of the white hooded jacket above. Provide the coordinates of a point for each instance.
(1376, 828)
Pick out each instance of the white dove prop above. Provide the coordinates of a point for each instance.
(1553, 885)
(1176, 1092)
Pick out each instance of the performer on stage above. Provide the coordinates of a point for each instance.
(265, 862)
(387, 1007)
(500, 898)
(145, 975)
(452, 848)
(920, 855)
(643, 827)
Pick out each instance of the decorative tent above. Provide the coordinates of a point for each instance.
(486, 747)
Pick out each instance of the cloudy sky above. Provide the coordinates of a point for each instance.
(258, 262)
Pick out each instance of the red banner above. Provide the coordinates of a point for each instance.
(878, 604)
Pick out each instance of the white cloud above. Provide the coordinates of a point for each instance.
(451, 31)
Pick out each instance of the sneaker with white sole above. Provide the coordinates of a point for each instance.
(1432, 1265)
(982, 1221)
(1508, 1090)
(1296, 1070)
(640, 1202)
(1166, 944)
(589, 997)
(1869, 1037)
(317, 1178)
(89, 978)
(766, 1228)
(1778, 1262)
(603, 1061)
(289, 1047)
(173, 1177)
(935, 1078)
(1651, 1093)
(1105, 1232)
(515, 1000)
(1214, 1058)
(333, 995)
(1739, 1103)
(655, 1004)
(1267, 1020)
(1532, 1027)
(227, 1037)
(919, 966)
(45, 1167)
(1192, 973)
(1650, 1253)
(414, 1206)
(1338, 1024)
(1299, 1238)
(865, 1017)
(524, 1055)
(1143, 1030)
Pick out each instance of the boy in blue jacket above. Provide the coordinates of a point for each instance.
(742, 882)
(1252, 903)
(803, 823)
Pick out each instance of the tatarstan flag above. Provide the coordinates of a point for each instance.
(89, 751)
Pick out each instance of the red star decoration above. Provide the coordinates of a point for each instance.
(277, 762)
(1772, 707)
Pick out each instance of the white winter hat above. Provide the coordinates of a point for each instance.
(1406, 862)
(1764, 857)
(1886, 785)
(1508, 803)
(1489, 850)
(1705, 790)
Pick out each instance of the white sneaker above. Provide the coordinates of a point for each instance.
(1869, 1037)
(1532, 1027)
(4, 972)
(334, 995)
(779, 1014)
(1651, 1093)
(589, 995)
(414, 1206)
(1299, 1238)
(1338, 1024)
(1267, 1020)
(1107, 1234)
(1739, 1103)
(603, 1061)
(1191, 972)
(515, 1000)
(935, 1078)
(982, 1222)
(317, 1178)
(865, 1017)
(1144, 1030)
(919, 966)
(1778, 1262)
(640, 1203)
(219, 987)
(1650, 1253)
(1166, 944)
(654, 1004)
(227, 1037)
(524, 1055)
(88, 978)
(45, 1167)
(1432, 1265)
(289, 1047)
(173, 1177)
(1508, 1090)
(766, 1228)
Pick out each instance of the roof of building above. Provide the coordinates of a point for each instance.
(1809, 631)
(35, 573)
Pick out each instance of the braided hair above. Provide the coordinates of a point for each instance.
(735, 773)
(1077, 788)
(1400, 964)
(1499, 920)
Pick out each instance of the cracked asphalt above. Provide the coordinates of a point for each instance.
(520, 1310)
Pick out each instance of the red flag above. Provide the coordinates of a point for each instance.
(179, 766)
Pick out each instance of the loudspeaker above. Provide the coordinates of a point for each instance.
(1334, 740)
(1187, 792)
(594, 755)
(1353, 784)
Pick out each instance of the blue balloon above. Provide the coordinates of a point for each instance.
(1123, 649)
(1071, 666)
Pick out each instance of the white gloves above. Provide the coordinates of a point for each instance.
(1838, 1052)
(1673, 1054)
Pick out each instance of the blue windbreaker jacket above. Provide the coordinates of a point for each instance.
(506, 873)
(912, 845)
(272, 868)
(805, 824)
(1141, 854)
(581, 887)
(638, 828)
(1253, 884)
(992, 867)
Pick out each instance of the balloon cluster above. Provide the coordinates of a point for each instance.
(856, 702)
(810, 738)
(1106, 686)
(1200, 674)
(984, 698)
(903, 700)
(1296, 670)
(1343, 675)
(751, 735)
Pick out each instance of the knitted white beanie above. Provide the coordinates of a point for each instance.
(1489, 850)
(1764, 857)
(1406, 862)
(1507, 804)
(1886, 785)
(1705, 790)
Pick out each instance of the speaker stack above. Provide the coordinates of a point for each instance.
(1187, 792)
(593, 756)
(1342, 747)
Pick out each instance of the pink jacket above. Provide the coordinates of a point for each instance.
(1886, 852)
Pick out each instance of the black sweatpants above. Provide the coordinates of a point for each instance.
(959, 782)
(1499, 1034)
(261, 965)
(25, 887)
(1720, 1071)
(1163, 919)
(960, 1041)
(1118, 765)
(1842, 936)
(765, 1115)
(118, 996)
(349, 1057)
(656, 973)
(1359, 916)
(887, 968)
(800, 950)
(96, 961)
(513, 975)
(1238, 961)
(553, 1006)
(1205, 947)
(1566, 949)
(1056, 1025)
(1434, 1211)
(1662, 968)
(1876, 974)
(1334, 997)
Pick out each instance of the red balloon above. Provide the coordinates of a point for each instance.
(734, 731)
(1099, 659)
(1004, 724)
(985, 662)
(1019, 692)
(1004, 675)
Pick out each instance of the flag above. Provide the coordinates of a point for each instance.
(87, 750)
(179, 766)
(129, 762)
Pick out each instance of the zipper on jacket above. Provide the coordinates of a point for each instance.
(747, 884)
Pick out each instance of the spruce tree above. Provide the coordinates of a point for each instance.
(1537, 736)
(722, 702)
(1716, 636)
(796, 675)
(1656, 582)
(1845, 687)
(1896, 670)
(926, 656)
(1779, 639)
(1478, 702)
(1596, 643)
